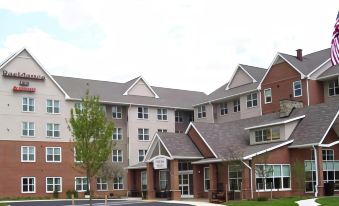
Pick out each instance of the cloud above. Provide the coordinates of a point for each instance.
(179, 44)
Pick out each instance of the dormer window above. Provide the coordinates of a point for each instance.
(267, 134)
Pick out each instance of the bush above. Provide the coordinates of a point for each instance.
(69, 194)
(262, 199)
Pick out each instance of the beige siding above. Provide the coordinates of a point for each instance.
(240, 78)
(141, 89)
(209, 114)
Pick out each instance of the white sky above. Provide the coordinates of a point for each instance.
(193, 45)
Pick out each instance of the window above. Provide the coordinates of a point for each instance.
(118, 183)
(117, 155)
(27, 154)
(223, 108)
(78, 105)
(163, 181)
(143, 181)
(328, 154)
(206, 179)
(272, 177)
(28, 129)
(142, 153)
(142, 112)
(102, 184)
(333, 87)
(28, 104)
(77, 158)
(310, 176)
(53, 154)
(162, 114)
(53, 106)
(331, 172)
(236, 105)
(297, 90)
(179, 131)
(116, 112)
(28, 185)
(53, 184)
(267, 134)
(268, 95)
(81, 184)
(234, 177)
(185, 166)
(143, 134)
(178, 117)
(252, 100)
(117, 133)
(53, 130)
(162, 130)
(201, 111)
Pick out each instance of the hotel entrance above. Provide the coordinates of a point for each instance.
(185, 179)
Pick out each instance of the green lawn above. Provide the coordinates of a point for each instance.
(275, 202)
(328, 201)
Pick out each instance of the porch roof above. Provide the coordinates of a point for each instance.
(140, 165)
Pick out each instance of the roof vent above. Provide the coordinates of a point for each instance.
(287, 106)
(299, 54)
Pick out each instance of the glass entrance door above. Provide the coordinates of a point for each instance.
(186, 185)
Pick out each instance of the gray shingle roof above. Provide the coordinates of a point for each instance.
(309, 61)
(225, 138)
(113, 92)
(179, 144)
(256, 72)
(333, 71)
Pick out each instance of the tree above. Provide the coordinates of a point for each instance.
(92, 136)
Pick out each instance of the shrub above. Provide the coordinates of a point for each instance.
(262, 199)
(69, 194)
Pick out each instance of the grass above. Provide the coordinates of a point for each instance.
(328, 201)
(290, 201)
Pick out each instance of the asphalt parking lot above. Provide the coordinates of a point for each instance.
(94, 203)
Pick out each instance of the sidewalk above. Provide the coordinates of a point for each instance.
(196, 202)
(308, 202)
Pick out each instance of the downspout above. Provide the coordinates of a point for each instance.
(316, 169)
(250, 168)
(308, 93)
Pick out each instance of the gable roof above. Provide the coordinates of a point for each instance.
(329, 73)
(235, 72)
(136, 81)
(220, 94)
(113, 93)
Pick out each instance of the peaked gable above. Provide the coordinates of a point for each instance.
(240, 77)
(141, 88)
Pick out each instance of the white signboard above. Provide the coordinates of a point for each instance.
(160, 163)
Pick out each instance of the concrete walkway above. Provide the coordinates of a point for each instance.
(308, 202)
(191, 202)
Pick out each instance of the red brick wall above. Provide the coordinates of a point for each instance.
(199, 143)
(316, 92)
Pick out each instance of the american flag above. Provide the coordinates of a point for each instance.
(335, 43)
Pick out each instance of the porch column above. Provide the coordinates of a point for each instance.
(130, 182)
(246, 181)
(150, 181)
(174, 180)
(320, 171)
(213, 179)
(198, 180)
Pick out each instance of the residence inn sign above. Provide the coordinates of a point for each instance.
(160, 163)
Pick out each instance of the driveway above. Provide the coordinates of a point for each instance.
(95, 203)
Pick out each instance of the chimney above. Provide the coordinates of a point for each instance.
(287, 106)
(299, 54)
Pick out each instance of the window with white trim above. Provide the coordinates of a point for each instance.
(252, 100)
(117, 155)
(143, 134)
(78, 105)
(53, 184)
(201, 111)
(53, 154)
(142, 112)
(53, 106)
(28, 129)
(53, 130)
(328, 154)
(81, 184)
(27, 184)
(28, 104)
(162, 114)
(163, 180)
(142, 154)
(117, 133)
(102, 184)
(143, 177)
(178, 117)
(310, 176)
(162, 130)
(267, 134)
(297, 89)
(116, 112)
(268, 95)
(27, 154)
(331, 172)
(118, 183)
(333, 88)
(234, 177)
(206, 179)
(223, 108)
(236, 105)
(272, 177)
